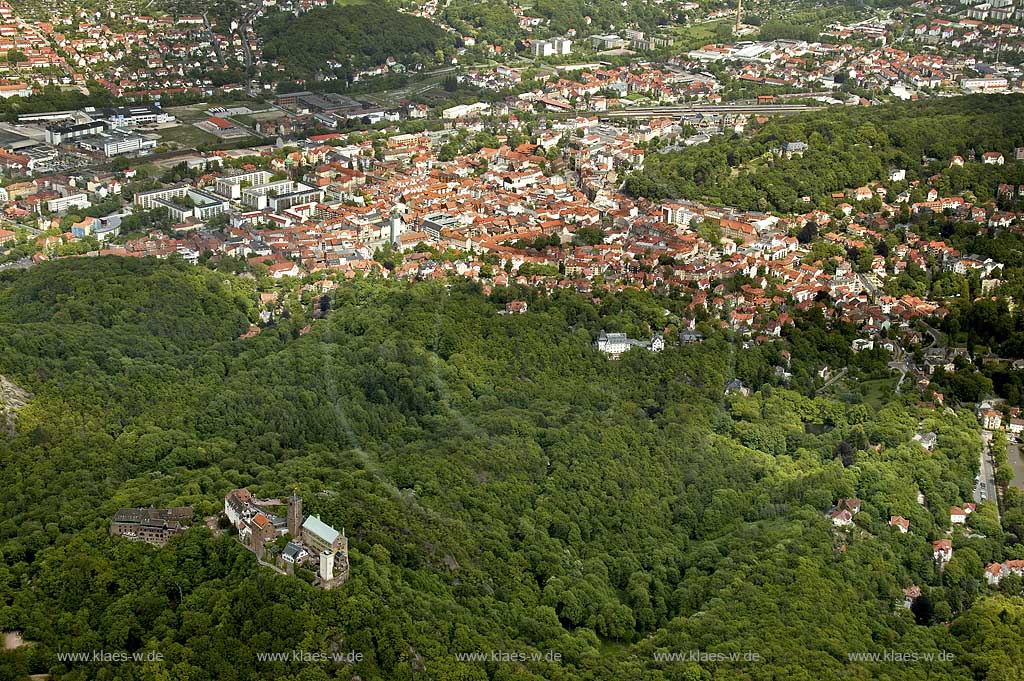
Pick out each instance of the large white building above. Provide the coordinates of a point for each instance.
(152, 199)
(133, 116)
(231, 186)
(280, 195)
(553, 47)
(62, 204)
(984, 84)
(15, 90)
(64, 132)
(607, 42)
(183, 202)
(464, 110)
(117, 142)
(614, 344)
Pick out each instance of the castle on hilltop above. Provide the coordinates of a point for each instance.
(310, 542)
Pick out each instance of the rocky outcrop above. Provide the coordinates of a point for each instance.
(12, 398)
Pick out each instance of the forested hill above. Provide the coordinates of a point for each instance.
(848, 147)
(128, 300)
(349, 37)
(504, 488)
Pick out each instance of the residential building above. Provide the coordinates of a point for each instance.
(995, 572)
(63, 204)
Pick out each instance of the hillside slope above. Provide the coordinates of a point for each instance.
(848, 147)
(504, 488)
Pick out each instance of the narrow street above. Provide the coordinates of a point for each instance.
(213, 39)
(985, 489)
(244, 28)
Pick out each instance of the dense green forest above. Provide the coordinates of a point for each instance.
(52, 98)
(495, 22)
(504, 487)
(848, 148)
(350, 36)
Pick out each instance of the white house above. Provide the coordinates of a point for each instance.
(991, 419)
(842, 518)
(862, 344)
(294, 553)
(995, 572)
(900, 523)
(1016, 426)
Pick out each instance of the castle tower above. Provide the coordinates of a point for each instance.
(341, 543)
(295, 516)
(326, 566)
(342, 557)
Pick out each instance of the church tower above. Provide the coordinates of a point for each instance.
(395, 227)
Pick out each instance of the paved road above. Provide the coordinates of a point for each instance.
(987, 472)
(832, 380)
(244, 27)
(900, 366)
(872, 289)
(213, 39)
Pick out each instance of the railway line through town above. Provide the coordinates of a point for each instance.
(672, 111)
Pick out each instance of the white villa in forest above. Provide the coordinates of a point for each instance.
(614, 344)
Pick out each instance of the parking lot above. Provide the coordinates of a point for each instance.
(1013, 452)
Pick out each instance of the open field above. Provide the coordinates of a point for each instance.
(191, 113)
(187, 135)
(1013, 453)
(878, 392)
(692, 36)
